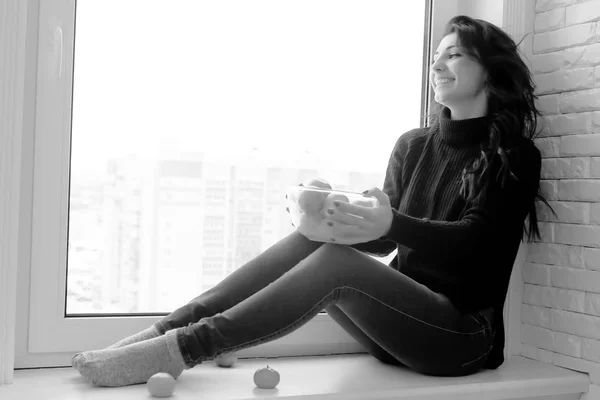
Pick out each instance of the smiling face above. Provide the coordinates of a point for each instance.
(458, 80)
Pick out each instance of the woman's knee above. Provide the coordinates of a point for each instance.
(332, 252)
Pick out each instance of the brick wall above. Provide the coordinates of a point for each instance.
(561, 296)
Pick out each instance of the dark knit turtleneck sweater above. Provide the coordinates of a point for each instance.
(463, 250)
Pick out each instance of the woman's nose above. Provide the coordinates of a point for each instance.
(437, 65)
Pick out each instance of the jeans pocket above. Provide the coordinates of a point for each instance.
(485, 318)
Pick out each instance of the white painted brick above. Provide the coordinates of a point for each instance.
(569, 124)
(547, 104)
(595, 167)
(550, 20)
(548, 146)
(536, 336)
(545, 5)
(578, 279)
(544, 213)
(578, 235)
(578, 190)
(576, 364)
(536, 295)
(595, 210)
(597, 76)
(570, 300)
(529, 351)
(592, 394)
(536, 316)
(583, 12)
(564, 343)
(581, 56)
(563, 38)
(555, 254)
(546, 356)
(579, 101)
(569, 168)
(591, 258)
(549, 189)
(580, 145)
(576, 324)
(592, 304)
(567, 211)
(543, 130)
(537, 274)
(596, 121)
(561, 81)
(595, 378)
(546, 232)
(548, 62)
(591, 350)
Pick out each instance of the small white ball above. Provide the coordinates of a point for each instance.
(161, 385)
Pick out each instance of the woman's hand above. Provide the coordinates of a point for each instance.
(352, 223)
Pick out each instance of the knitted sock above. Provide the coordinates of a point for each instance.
(148, 333)
(134, 363)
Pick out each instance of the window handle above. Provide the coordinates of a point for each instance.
(58, 50)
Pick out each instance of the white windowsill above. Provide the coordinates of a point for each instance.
(348, 377)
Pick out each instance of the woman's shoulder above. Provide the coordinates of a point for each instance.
(416, 134)
(412, 137)
(409, 143)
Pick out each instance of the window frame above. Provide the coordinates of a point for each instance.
(45, 337)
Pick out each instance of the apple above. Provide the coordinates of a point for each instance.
(226, 360)
(311, 202)
(161, 385)
(266, 378)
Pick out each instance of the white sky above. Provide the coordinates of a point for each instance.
(337, 78)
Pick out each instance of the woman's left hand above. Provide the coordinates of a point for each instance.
(353, 223)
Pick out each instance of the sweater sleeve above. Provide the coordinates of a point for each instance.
(392, 186)
(501, 206)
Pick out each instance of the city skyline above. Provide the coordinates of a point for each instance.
(141, 232)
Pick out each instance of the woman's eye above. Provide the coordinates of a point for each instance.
(454, 55)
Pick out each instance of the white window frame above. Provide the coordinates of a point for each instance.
(44, 336)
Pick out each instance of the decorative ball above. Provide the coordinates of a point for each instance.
(266, 378)
(161, 385)
(226, 360)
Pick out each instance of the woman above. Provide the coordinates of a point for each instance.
(454, 203)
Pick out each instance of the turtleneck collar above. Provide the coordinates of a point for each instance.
(462, 132)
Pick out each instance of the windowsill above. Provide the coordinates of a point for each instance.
(356, 376)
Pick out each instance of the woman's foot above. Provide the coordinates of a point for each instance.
(146, 334)
(149, 333)
(132, 364)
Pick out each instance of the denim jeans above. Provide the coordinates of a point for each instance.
(396, 319)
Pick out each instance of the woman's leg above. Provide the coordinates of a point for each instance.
(243, 282)
(343, 320)
(240, 284)
(418, 327)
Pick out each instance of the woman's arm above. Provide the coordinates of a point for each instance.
(502, 205)
(392, 186)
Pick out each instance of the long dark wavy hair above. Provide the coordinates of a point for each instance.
(512, 113)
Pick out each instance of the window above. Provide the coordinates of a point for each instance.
(164, 154)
